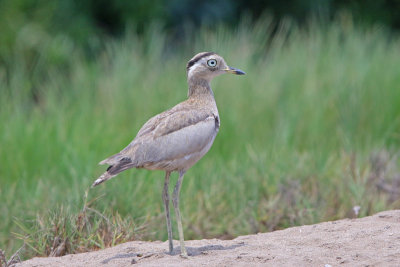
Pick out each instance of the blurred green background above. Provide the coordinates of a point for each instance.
(312, 130)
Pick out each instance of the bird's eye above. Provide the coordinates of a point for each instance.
(212, 63)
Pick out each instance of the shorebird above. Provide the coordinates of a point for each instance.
(177, 138)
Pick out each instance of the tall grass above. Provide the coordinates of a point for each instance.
(312, 130)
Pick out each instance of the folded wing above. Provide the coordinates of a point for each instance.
(167, 141)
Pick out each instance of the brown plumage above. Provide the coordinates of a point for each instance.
(177, 138)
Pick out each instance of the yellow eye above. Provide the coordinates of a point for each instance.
(212, 63)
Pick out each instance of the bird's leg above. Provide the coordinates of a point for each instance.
(175, 201)
(166, 206)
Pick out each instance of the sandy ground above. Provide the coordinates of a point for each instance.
(370, 241)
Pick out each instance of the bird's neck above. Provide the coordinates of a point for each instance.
(199, 87)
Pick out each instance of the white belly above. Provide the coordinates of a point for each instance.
(188, 161)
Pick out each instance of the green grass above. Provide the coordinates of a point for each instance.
(312, 130)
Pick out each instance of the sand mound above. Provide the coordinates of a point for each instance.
(370, 241)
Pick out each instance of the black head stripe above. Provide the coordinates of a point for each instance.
(197, 58)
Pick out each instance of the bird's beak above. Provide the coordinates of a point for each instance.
(234, 71)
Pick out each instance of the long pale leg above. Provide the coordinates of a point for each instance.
(166, 206)
(175, 201)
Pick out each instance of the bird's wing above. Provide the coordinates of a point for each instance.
(180, 134)
(149, 142)
(175, 137)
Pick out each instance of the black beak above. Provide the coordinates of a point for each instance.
(235, 71)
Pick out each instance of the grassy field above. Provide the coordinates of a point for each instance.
(311, 131)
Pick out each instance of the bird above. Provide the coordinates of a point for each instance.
(174, 140)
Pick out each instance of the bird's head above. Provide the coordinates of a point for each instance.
(207, 65)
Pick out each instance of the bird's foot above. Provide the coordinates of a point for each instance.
(184, 255)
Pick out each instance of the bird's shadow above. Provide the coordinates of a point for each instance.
(192, 251)
(195, 251)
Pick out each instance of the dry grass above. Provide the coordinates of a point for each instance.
(60, 232)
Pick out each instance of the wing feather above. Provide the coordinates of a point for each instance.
(163, 124)
(177, 144)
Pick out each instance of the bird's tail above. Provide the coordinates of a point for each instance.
(114, 168)
(104, 177)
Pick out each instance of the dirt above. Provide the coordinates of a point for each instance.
(369, 241)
